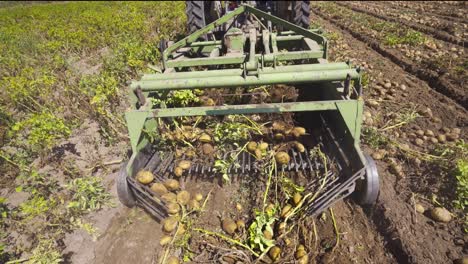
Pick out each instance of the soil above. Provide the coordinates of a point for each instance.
(390, 232)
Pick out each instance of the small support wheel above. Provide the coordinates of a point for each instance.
(124, 192)
(369, 188)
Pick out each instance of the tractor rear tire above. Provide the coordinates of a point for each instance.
(195, 11)
(301, 13)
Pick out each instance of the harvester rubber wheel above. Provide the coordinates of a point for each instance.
(301, 13)
(124, 192)
(369, 191)
(195, 11)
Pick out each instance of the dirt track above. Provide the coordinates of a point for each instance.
(392, 232)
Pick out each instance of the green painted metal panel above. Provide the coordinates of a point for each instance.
(205, 61)
(135, 122)
(245, 109)
(351, 111)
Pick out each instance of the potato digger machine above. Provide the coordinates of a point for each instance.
(248, 47)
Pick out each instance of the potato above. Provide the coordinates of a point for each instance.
(208, 102)
(440, 214)
(300, 252)
(279, 126)
(165, 240)
(172, 260)
(172, 184)
(441, 138)
(274, 253)
(279, 136)
(263, 146)
(170, 224)
(297, 198)
(229, 226)
(419, 142)
(258, 154)
(190, 153)
(463, 260)
(419, 208)
(184, 164)
(429, 133)
(286, 210)
(178, 171)
(282, 158)
(420, 132)
(204, 138)
(159, 188)
(144, 177)
(169, 197)
(252, 146)
(183, 197)
(198, 197)
(193, 204)
(240, 224)
(180, 230)
(299, 147)
(207, 149)
(303, 260)
(298, 131)
(267, 234)
(173, 208)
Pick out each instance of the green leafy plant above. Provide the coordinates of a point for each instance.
(41, 130)
(461, 174)
(46, 252)
(263, 222)
(88, 194)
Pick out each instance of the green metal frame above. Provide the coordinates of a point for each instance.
(247, 69)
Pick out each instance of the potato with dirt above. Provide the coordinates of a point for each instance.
(159, 188)
(144, 176)
(229, 226)
(282, 158)
(172, 185)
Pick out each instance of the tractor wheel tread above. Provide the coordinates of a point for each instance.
(195, 16)
(302, 13)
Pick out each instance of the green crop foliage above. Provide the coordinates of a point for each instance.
(88, 194)
(36, 206)
(41, 130)
(461, 174)
(409, 37)
(60, 64)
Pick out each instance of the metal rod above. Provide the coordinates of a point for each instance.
(234, 81)
(238, 72)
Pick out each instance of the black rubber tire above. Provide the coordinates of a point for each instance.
(195, 11)
(369, 188)
(124, 192)
(301, 13)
